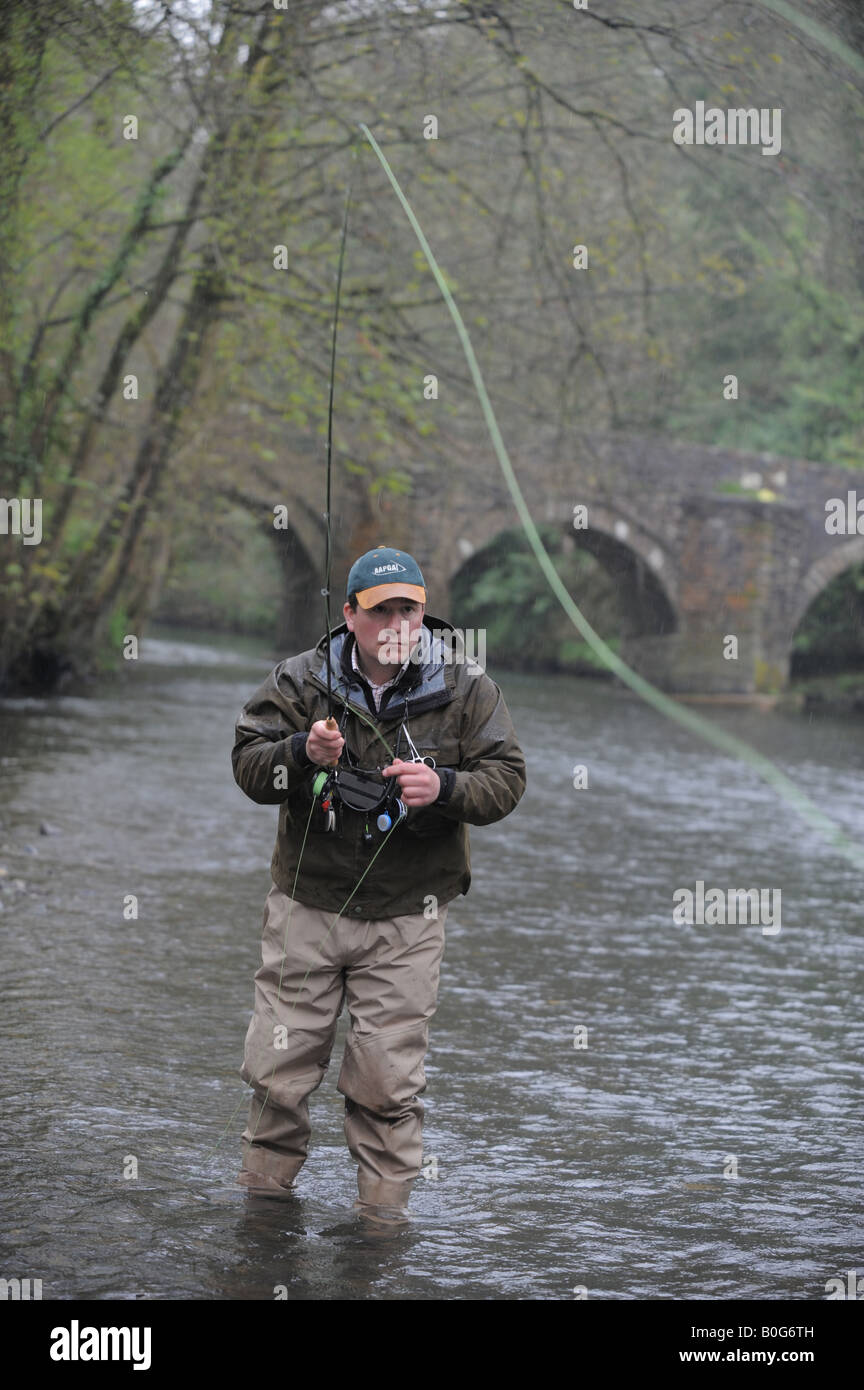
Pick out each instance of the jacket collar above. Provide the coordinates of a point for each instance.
(421, 686)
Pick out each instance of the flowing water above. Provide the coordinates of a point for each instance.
(616, 1103)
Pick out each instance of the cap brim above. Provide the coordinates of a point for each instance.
(369, 597)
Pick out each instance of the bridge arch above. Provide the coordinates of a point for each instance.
(820, 574)
(635, 563)
(639, 567)
(833, 636)
(301, 621)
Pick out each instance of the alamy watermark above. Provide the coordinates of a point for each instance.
(850, 1288)
(457, 646)
(21, 516)
(20, 1290)
(77, 1343)
(714, 907)
(736, 126)
(845, 517)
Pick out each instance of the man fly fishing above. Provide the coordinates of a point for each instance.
(372, 845)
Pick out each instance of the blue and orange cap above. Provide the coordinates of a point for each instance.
(385, 573)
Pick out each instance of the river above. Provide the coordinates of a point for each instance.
(700, 1139)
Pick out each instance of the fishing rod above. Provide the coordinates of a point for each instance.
(331, 722)
(360, 789)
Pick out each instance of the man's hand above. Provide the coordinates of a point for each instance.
(324, 745)
(419, 784)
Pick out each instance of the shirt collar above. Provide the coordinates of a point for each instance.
(361, 672)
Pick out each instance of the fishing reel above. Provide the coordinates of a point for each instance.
(360, 789)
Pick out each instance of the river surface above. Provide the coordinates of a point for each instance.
(702, 1139)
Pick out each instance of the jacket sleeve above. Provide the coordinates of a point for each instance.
(490, 778)
(269, 754)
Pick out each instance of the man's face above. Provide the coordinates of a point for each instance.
(374, 629)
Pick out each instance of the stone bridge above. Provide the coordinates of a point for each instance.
(704, 543)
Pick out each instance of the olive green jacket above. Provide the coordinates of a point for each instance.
(454, 712)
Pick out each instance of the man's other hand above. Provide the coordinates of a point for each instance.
(419, 784)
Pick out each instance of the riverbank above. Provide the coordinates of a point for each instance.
(840, 693)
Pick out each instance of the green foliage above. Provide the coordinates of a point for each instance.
(118, 626)
(396, 482)
(108, 641)
(575, 654)
(795, 344)
(736, 489)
